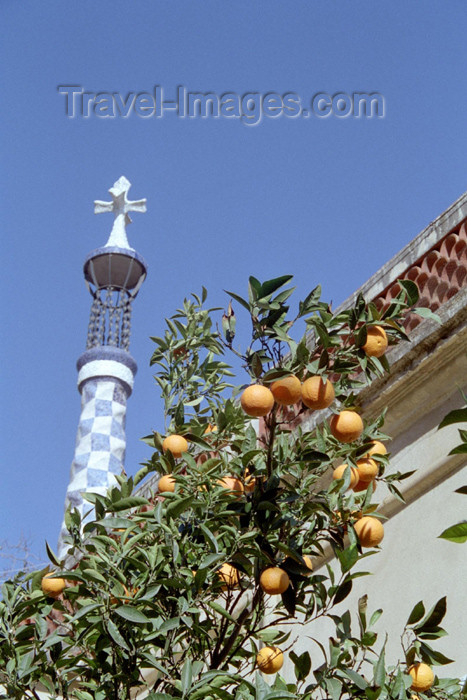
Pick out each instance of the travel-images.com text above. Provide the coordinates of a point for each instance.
(250, 107)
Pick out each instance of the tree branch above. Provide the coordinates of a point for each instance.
(220, 657)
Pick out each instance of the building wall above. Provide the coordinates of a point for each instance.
(413, 564)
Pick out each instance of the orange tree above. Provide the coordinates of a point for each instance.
(201, 589)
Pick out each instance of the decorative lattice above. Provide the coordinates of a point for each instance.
(126, 325)
(110, 319)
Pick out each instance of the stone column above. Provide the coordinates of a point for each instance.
(105, 381)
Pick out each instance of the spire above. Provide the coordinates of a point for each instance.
(120, 206)
(113, 274)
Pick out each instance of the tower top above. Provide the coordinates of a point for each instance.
(120, 206)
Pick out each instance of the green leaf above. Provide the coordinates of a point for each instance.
(401, 684)
(302, 664)
(169, 625)
(178, 505)
(262, 689)
(94, 575)
(347, 557)
(255, 364)
(25, 664)
(375, 617)
(310, 302)
(361, 337)
(434, 617)
(362, 608)
(130, 502)
(116, 523)
(186, 677)
(53, 558)
(459, 415)
(46, 681)
(373, 694)
(116, 636)
(416, 614)
(268, 635)
(334, 687)
(379, 674)
(455, 533)
(426, 313)
(309, 455)
(222, 611)
(289, 599)
(395, 491)
(241, 301)
(251, 440)
(210, 560)
(131, 614)
(431, 656)
(343, 591)
(369, 638)
(355, 677)
(432, 633)
(85, 610)
(412, 291)
(459, 450)
(209, 537)
(270, 286)
(254, 288)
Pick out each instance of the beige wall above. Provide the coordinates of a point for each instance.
(413, 565)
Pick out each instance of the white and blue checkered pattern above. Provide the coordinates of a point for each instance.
(100, 443)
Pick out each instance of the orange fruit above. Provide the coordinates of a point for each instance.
(231, 483)
(274, 580)
(376, 341)
(367, 469)
(377, 448)
(166, 484)
(363, 485)
(210, 428)
(423, 677)
(287, 390)
(53, 587)
(338, 473)
(229, 576)
(317, 394)
(176, 444)
(370, 531)
(346, 426)
(269, 659)
(257, 400)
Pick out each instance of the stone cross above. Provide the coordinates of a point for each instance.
(120, 206)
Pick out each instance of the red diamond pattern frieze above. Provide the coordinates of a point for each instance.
(439, 274)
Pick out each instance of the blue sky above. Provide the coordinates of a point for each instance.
(329, 200)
